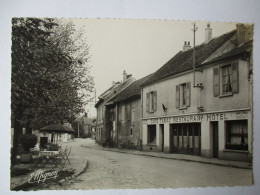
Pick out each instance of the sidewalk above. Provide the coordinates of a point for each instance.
(183, 157)
(77, 166)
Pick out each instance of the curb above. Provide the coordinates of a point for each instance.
(82, 168)
(172, 158)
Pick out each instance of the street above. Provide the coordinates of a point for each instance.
(112, 170)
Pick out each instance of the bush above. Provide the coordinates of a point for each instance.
(28, 141)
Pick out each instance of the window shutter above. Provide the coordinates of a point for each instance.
(216, 82)
(154, 100)
(123, 113)
(234, 68)
(147, 102)
(187, 94)
(177, 102)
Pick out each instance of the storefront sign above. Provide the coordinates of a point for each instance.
(197, 118)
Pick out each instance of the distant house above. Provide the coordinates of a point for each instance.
(203, 108)
(125, 113)
(54, 135)
(104, 115)
(83, 126)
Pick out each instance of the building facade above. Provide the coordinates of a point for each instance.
(125, 113)
(104, 114)
(203, 109)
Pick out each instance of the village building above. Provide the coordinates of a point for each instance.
(125, 113)
(204, 108)
(103, 126)
(83, 126)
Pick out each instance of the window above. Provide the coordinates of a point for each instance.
(151, 101)
(228, 79)
(151, 134)
(236, 135)
(133, 116)
(183, 95)
(122, 114)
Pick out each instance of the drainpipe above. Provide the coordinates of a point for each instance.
(141, 121)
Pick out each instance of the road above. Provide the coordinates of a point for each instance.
(113, 170)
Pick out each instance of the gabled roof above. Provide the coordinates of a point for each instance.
(115, 90)
(133, 90)
(183, 60)
(243, 49)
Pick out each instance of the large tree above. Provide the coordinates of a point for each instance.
(50, 74)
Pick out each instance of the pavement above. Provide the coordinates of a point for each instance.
(78, 166)
(182, 157)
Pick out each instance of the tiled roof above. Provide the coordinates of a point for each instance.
(183, 60)
(116, 90)
(243, 49)
(132, 91)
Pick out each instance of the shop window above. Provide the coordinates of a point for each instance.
(227, 83)
(236, 135)
(182, 95)
(151, 101)
(151, 134)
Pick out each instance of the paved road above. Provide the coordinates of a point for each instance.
(114, 170)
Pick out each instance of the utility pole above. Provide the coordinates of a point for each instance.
(195, 28)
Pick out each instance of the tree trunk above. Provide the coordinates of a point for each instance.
(17, 135)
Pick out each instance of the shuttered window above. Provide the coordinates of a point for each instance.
(234, 68)
(228, 77)
(216, 82)
(147, 102)
(151, 101)
(183, 95)
(177, 99)
(187, 101)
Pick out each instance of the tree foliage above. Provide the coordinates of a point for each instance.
(51, 79)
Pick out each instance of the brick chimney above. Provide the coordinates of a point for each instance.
(186, 46)
(244, 33)
(208, 33)
(124, 76)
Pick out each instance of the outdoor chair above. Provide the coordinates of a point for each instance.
(62, 157)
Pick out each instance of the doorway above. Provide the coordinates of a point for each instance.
(215, 139)
(162, 136)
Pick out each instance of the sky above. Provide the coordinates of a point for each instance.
(140, 47)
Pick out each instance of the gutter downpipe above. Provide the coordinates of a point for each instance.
(141, 123)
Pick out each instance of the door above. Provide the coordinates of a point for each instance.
(43, 141)
(215, 139)
(162, 136)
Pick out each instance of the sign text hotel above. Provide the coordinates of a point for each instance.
(192, 118)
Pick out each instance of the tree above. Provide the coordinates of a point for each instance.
(51, 81)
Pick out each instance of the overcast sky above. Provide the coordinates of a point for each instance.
(138, 46)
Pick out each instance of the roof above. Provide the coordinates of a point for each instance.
(183, 60)
(115, 91)
(243, 49)
(57, 128)
(133, 90)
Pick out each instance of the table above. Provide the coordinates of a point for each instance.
(46, 157)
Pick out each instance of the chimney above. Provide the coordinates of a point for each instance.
(113, 83)
(208, 33)
(186, 46)
(244, 33)
(124, 76)
(240, 34)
